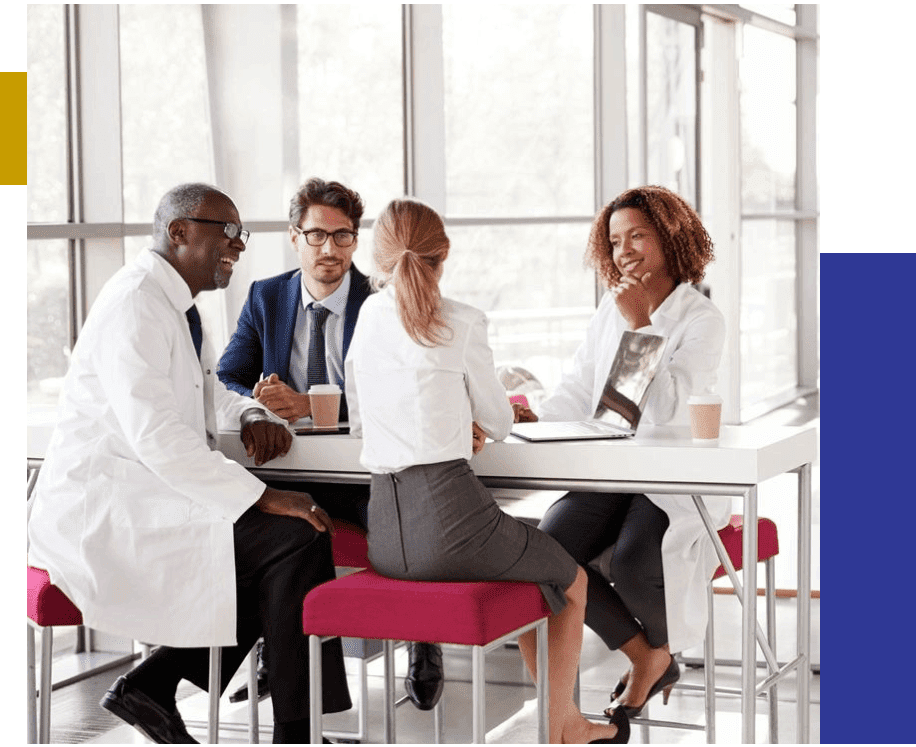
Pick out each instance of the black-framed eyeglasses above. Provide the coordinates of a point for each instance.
(230, 229)
(316, 236)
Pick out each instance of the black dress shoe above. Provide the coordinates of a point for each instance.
(263, 688)
(424, 681)
(146, 715)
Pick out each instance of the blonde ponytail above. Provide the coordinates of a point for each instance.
(410, 246)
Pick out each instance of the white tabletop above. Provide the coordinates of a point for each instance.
(745, 455)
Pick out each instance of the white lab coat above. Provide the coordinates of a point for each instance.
(695, 329)
(132, 514)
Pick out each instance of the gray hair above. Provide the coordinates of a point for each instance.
(178, 202)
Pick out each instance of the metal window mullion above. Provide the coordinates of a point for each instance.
(75, 248)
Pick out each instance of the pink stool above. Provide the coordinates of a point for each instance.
(483, 615)
(47, 606)
(732, 537)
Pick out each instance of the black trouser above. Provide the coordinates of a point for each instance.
(278, 560)
(631, 527)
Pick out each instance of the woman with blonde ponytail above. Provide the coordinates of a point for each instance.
(423, 394)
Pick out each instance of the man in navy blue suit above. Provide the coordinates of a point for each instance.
(294, 331)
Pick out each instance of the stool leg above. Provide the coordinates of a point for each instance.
(363, 700)
(253, 725)
(543, 683)
(390, 699)
(31, 700)
(44, 693)
(772, 699)
(439, 720)
(315, 696)
(709, 667)
(213, 690)
(478, 702)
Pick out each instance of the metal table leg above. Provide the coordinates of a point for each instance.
(803, 673)
(749, 618)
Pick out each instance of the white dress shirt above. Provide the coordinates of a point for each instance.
(336, 303)
(413, 404)
(695, 330)
(132, 513)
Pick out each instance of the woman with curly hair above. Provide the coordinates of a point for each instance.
(648, 557)
(423, 393)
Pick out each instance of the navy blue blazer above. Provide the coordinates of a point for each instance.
(263, 340)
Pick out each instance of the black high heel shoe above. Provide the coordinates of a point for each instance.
(664, 684)
(619, 719)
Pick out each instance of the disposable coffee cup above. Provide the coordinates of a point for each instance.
(705, 417)
(325, 401)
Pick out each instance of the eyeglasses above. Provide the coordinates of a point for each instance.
(317, 237)
(230, 229)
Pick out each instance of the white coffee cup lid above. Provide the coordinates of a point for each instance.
(324, 389)
(704, 399)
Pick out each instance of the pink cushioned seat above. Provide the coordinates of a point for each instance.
(367, 605)
(732, 538)
(48, 605)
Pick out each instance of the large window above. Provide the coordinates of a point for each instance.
(165, 131)
(519, 143)
(769, 342)
(671, 105)
(350, 99)
(48, 304)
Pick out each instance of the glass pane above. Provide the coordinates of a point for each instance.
(784, 13)
(164, 109)
(769, 357)
(350, 92)
(519, 101)
(767, 71)
(48, 321)
(538, 308)
(671, 105)
(47, 115)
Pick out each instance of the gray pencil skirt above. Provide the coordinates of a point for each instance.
(437, 522)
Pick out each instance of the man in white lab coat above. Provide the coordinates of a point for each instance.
(152, 533)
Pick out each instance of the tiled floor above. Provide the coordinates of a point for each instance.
(76, 716)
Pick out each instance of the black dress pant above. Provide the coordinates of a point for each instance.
(631, 528)
(278, 560)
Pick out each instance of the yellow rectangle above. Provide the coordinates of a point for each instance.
(13, 147)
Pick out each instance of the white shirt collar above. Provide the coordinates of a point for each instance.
(336, 302)
(175, 287)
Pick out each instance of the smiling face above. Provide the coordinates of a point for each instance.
(635, 245)
(202, 253)
(323, 267)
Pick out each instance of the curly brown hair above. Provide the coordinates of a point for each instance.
(686, 246)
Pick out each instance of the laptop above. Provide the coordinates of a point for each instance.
(620, 407)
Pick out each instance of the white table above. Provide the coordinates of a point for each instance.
(658, 460)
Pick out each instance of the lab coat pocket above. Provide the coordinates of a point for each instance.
(140, 499)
